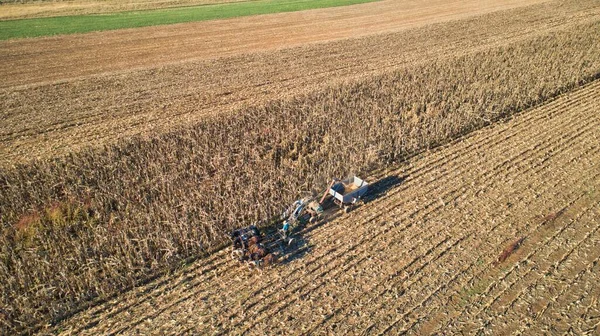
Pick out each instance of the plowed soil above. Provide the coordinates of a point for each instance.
(425, 254)
(66, 93)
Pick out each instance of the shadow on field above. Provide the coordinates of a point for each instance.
(300, 245)
(382, 186)
(297, 249)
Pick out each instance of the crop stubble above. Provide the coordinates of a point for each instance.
(146, 205)
(52, 119)
(33, 61)
(425, 251)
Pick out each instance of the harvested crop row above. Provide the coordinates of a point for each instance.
(339, 263)
(31, 61)
(205, 273)
(430, 225)
(224, 283)
(54, 119)
(72, 232)
(406, 253)
(75, 232)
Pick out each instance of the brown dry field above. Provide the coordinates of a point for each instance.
(422, 256)
(35, 61)
(63, 94)
(34, 9)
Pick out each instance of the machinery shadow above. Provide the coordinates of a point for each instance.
(300, 246)
(377, 190)
(381, 187)
(297, 249)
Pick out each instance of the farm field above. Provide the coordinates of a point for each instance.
(79, 24)
(12, 10)
(65, 57)
(126, 155)
(46, 94)
(423, 256)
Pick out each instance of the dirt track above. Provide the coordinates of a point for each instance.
(47, 120)
(422, 256)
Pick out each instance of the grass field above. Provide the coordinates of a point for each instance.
(12, 29)
(28, 9)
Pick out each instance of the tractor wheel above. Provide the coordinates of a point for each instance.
(347, 208)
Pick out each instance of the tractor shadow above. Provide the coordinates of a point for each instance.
(376, 190)
(381, 187)
(286, 250)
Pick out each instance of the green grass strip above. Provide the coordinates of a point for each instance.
(22, 28)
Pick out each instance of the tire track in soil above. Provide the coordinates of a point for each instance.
(511, 270)
(584, 282)
(427, 298)
(515, 269)
(455, 290)
(527, 261)
(491, 263)
(553, 274)
(473, 283)
(575, 182)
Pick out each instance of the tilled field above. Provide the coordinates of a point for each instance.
(29, 61)
(63, 107)
(425, 255)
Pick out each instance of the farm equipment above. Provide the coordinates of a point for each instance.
(256, 249)
(303, 211)
(346, 193)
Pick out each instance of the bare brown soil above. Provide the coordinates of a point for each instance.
(423, 256)
(34, 9)
(66, 105)
(33, 61)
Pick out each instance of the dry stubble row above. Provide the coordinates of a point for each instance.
(234, 302)
(73, 232)
(45, 120)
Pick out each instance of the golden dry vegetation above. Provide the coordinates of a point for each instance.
(141, 171)
(73, 103)
(424, 257)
